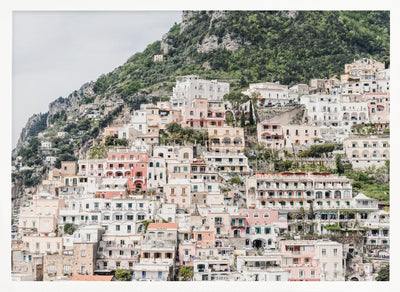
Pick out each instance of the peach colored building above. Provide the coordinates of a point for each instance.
(296, 135)
(42, 215)
(201, 114)
(158, 116)
(204, 238)
(226, 139)
(178, 192)
(80, 260)
(271, 134)
(277, 136)
(112, 130)
(42, 244)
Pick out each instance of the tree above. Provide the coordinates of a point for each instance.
(236, 98)
(236, 180)
(186, 273)
(123, 275)
(69, 228)
(339, 164)
(251, 117)
(242, 120)
(383, 274)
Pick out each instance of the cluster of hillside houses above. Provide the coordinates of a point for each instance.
(151, 209)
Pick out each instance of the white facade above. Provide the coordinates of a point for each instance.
(330, 256)
(365, 151)
(270, 93)
(139, 121)
(190, 87)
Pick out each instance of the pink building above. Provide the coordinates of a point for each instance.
(204, 238)
(260, 227)
(112, 130)
(271, 134)
(201, 114)
(378, 107)
(187, 253)
(130, 164)
(300, 258)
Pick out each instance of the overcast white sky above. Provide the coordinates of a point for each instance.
(55, 53)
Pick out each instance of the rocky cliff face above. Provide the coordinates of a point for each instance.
(72, 101)
(210, 42)
(25, 131)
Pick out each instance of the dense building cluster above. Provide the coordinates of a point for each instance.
(198, 211)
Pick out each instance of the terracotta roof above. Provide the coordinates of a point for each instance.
(91, 278)
(163, 225)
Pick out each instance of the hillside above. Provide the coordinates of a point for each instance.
(238, 46)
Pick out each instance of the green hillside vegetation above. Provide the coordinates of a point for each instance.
(275, 47)
(373, 182)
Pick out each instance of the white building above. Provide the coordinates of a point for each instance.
(190, 87)
(270, 93)
(139, 121)
(330, 256)
(262, 268)
(365, 151)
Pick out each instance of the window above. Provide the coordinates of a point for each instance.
(324, 252)
(277, 277)
(51, 268)
(117, 227)
(67, 269)
(255, 215)
(199, 237)
(83, 252)
(335, 252)
(140, 217)
(312, 273)
(258, 230)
